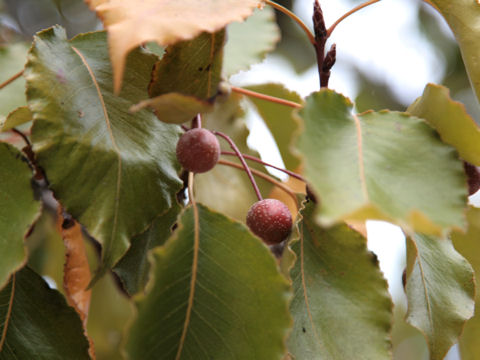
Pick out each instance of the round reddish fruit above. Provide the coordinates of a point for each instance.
(198, 150)
(270, 220)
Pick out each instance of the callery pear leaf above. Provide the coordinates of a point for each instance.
(440, 291)
(450, 119)
(468, 245)
(379, 165)
(206, 299)
(132, 23)
(462, 17)
(336, 279)
(112, 170)
(18, 209)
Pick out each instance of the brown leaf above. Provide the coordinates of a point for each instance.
(132, 23)
(76, 271)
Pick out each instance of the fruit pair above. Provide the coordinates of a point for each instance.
(198, 151)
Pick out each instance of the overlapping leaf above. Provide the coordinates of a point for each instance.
(383, 165)
(131, 24)
(450, 119)
(134, 267)
(440, 291)
(215, 296)
(468, 245)
(226, 189)
(37, 323)
(249, 42)
(462, 17)
(112, 171)
(341, 305)
(18, 209)
(185, 80)
(17, 117)
(279, 119)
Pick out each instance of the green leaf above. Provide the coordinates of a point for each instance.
(112, 171)
(190, 69)
(450, 119)
(222, 291)
(440, 291)
(279, 119)
(249, 42)
(37, 323)
(12, 61)
(134, 267)
(462, 17)
(175, 108)
(379, 165)
(341, 306)
(17, 117)
(226, 189)
(18, 209)
(468, 245)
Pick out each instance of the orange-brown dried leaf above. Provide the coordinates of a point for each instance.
(132, 23)
(76, 271)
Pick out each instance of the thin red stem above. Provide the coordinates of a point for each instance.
(265, 97)
(12, 79)
(242, 160)
(264, 177)
(294, 17)
(253, 158)
(343, 17)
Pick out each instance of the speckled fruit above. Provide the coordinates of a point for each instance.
(270, 220)
(198, 150)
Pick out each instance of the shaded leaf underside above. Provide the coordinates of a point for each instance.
(37, 323)
(18, 209)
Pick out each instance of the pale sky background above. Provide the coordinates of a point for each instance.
(384, 40)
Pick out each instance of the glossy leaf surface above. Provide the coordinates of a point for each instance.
(18, 209)
(450, 119)
(468, 245)
(341, 306)
(383, 165)
(279, 119)
(440, 291)
(37, 323)
(218, 296)
(248, 42)
(131, 24)
(111, 170)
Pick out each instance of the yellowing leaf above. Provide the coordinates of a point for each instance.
(462, 17)
(450, 119)
(132, 23)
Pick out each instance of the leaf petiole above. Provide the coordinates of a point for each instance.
(264, 177)
(12, 79)
(265, 97)
(343, 17)
(242, 160)
(294, 17)
(253, 158)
